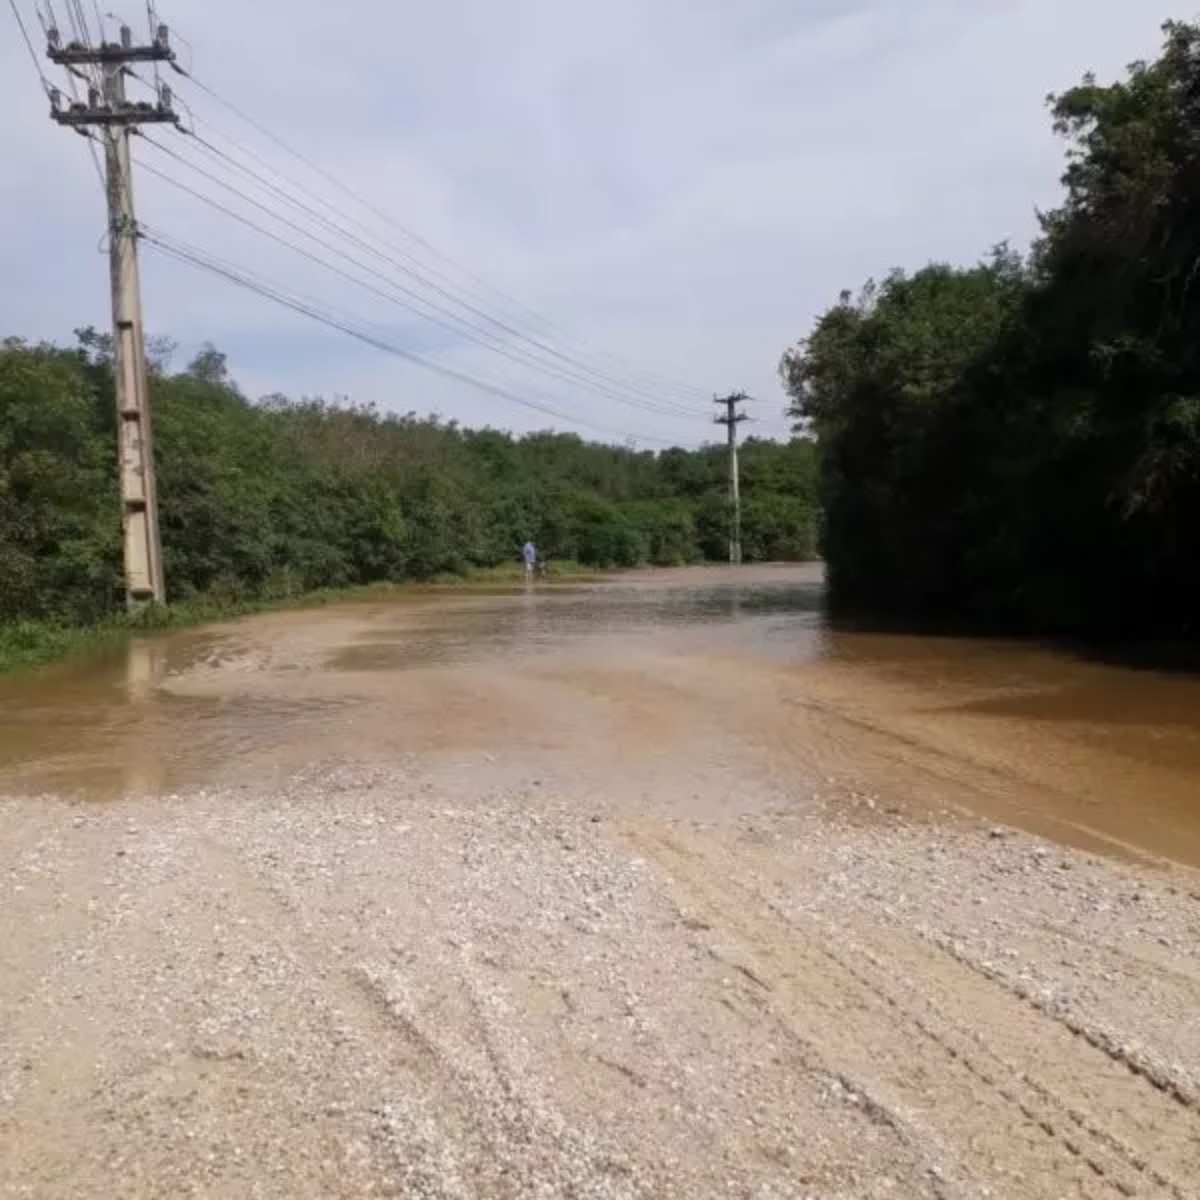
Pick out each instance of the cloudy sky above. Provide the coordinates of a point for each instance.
(677, 186)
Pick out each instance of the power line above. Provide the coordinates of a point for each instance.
(81, 16)
(610, 385)
(79, 26)
(502, 351)
(563, 367)
(92, 153)
(409, 233)
(462, 328)
(682, 388)
(33, 54)
(610, 381)
(79, 23)
(354, 327)
(247, 280)
(349, 323)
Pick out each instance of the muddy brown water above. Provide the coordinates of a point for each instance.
(1093, 754)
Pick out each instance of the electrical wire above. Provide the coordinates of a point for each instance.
(152, 30)
(459, 328)
(75, 7)
(47, 85)
(308, 301)
(567, 370)
(33, 54)
(79, 26)
(502, 351)
(89, 72)
(661, 381)
(612, 382)
(649, 379)
(249, 282)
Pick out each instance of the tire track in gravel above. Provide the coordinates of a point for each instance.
(452, 1118)
(1134, 1063)
(954, 1060)
(1140, 1123)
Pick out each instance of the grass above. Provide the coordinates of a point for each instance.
(29, 644)
(34, 643)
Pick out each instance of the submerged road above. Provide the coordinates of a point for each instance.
(649, 887)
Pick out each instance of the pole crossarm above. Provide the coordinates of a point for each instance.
(81, 115)
(67, 54)
(77, 54)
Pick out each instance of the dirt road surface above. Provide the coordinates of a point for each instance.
(457, 899)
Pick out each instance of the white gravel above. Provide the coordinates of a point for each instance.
(435, 980)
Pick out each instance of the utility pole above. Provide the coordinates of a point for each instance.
(110, 111)
(731, 419)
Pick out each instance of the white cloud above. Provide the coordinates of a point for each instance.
(685, 184)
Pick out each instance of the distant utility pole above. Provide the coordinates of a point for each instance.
(731, 419)
(108, 110)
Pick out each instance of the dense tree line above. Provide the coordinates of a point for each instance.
(1017, 444)
(273, 498)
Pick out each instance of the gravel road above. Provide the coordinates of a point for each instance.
(617, 967)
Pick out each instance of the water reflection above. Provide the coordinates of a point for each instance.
(1005, 727)
(784, 616)
(145, 669)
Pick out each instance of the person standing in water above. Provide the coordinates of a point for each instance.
(529, 554)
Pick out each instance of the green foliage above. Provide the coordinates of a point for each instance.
(665, 531)
(777, 528)
(58, 538)
(1018, 443)
(277, 499)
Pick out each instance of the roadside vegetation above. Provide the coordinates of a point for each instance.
(1016, 444)
(277, 501)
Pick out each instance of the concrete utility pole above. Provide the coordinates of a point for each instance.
(731, 419)
(108, 109)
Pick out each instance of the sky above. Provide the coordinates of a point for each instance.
(651, 190)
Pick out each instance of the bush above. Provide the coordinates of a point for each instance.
(274, 499)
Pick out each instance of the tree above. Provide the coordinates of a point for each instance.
(59, 522)
(279, 497)
(881, 382)
(1018, 443)
(209, 366)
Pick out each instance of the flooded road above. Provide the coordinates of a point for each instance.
(1091, 754)
(653, 887)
